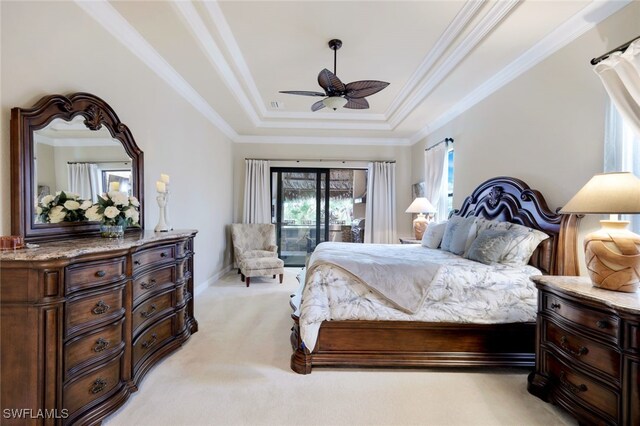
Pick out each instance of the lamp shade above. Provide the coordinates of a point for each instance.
(420, 205)
(335, 102)
(607, 193)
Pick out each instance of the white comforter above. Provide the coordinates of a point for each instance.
(462, 291)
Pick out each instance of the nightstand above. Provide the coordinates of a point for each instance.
(409, 240)
(588, 350)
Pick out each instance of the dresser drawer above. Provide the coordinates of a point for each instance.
(92, 310)
(152, 308)
(579, 386)
(92, 385)
(632, 340)
(154, 256)
(153, 281)
(582, 349)
(91, 274)
(83, 350)
(152, 339)
(582, 316)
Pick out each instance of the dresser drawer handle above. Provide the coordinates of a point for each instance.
(573, 388)
(98, 386)
(150, 342)
(100, 308)
(147, 314)
(602, 324)
(565, 345)
(136, 262)
(555, 306)
(101, 274)
(101, 345)
(163, 254)
(148, 285)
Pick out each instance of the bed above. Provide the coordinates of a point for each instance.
(402, 343)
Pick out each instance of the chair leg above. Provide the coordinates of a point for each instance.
(281, 276)
(248, 280)
(242, 277)
(274, 276)
(238, 270)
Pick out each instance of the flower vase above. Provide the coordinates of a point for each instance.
(112, 231)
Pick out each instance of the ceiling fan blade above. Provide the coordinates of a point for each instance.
(362, 88)
(330, 82)
(358, 103)
(302, 92)
(318, 105)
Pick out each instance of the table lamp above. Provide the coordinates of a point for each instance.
(613, 252)
(421, 206)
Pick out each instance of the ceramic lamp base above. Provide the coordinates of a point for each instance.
(419, 226)
(613, 257)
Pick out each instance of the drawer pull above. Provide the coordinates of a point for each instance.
(163, 254)
(555, 306)
(147, 314)
(101, 345)
(100, 308)
(136, 262)
(602, 324)
(150, 342)
(148, 285)
(581, 351)
(101, 274)
(573, 388)
(98, 386)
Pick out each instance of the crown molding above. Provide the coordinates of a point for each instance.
(320, 140)
(105, 15)
(586, 19)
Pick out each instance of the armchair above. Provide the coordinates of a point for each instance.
(252, 241)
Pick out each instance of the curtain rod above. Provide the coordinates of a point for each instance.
(97, 162)
(336, 160)
(445, 140)
(620, 48)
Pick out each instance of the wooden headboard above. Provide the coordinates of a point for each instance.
(511, 200)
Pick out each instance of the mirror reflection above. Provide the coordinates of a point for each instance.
(71, 158)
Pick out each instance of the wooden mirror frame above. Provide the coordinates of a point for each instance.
(24, 121)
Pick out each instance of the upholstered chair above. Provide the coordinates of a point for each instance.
(253, 240)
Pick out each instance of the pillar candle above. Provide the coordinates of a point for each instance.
(164, 178)
(160, 186)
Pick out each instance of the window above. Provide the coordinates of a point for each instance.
(450, 179)
(621, 152)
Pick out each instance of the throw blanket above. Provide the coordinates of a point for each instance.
(394, 272)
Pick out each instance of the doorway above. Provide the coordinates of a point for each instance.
(306, 213)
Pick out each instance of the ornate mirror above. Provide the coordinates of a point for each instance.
(74, 144)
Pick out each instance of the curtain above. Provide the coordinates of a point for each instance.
(620, 74)
(436, 179)
(257, 192)
(380, 217)
(84, 180)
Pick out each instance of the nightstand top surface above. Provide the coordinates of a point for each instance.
(582, 287)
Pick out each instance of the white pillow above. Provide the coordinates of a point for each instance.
(523, 242)
(463, 236)
(433, 235)
(452, 225)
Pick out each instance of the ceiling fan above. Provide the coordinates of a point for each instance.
(336, 93)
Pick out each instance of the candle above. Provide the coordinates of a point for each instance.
(164, 178)
(160, 186)
(114, 186)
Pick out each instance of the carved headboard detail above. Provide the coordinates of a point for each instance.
(511, 200)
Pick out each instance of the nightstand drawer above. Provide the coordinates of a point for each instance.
(578, 386)
(582, 316)
(582, 349)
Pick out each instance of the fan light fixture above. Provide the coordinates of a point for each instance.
(335, 102)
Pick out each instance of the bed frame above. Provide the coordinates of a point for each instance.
(422, 344)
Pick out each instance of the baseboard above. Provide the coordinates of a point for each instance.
(208, 282)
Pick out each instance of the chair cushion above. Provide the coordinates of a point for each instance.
(261, 266)
(253, 254)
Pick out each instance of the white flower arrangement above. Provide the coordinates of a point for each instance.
(63, 207)
(115, 208)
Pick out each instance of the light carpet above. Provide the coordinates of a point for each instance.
(235, 371)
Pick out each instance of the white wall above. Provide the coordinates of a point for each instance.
(55, 47)
(546, 127)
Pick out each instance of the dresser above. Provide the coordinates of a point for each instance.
(84, 320)
(588, 350)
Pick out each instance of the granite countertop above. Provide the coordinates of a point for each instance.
(79, 246)
(582, 287)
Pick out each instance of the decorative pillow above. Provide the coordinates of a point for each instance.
(463, 235)
(523, 242)
(489, 246)
(452, 225)
(433, 235)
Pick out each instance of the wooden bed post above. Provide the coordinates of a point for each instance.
(567, 252)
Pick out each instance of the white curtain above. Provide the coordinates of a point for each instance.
(380, 217)
(436, 175)
(620, 74)
(84, 180)
(257, 192)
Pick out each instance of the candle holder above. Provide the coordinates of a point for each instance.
(166, 208)
(162, 225)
